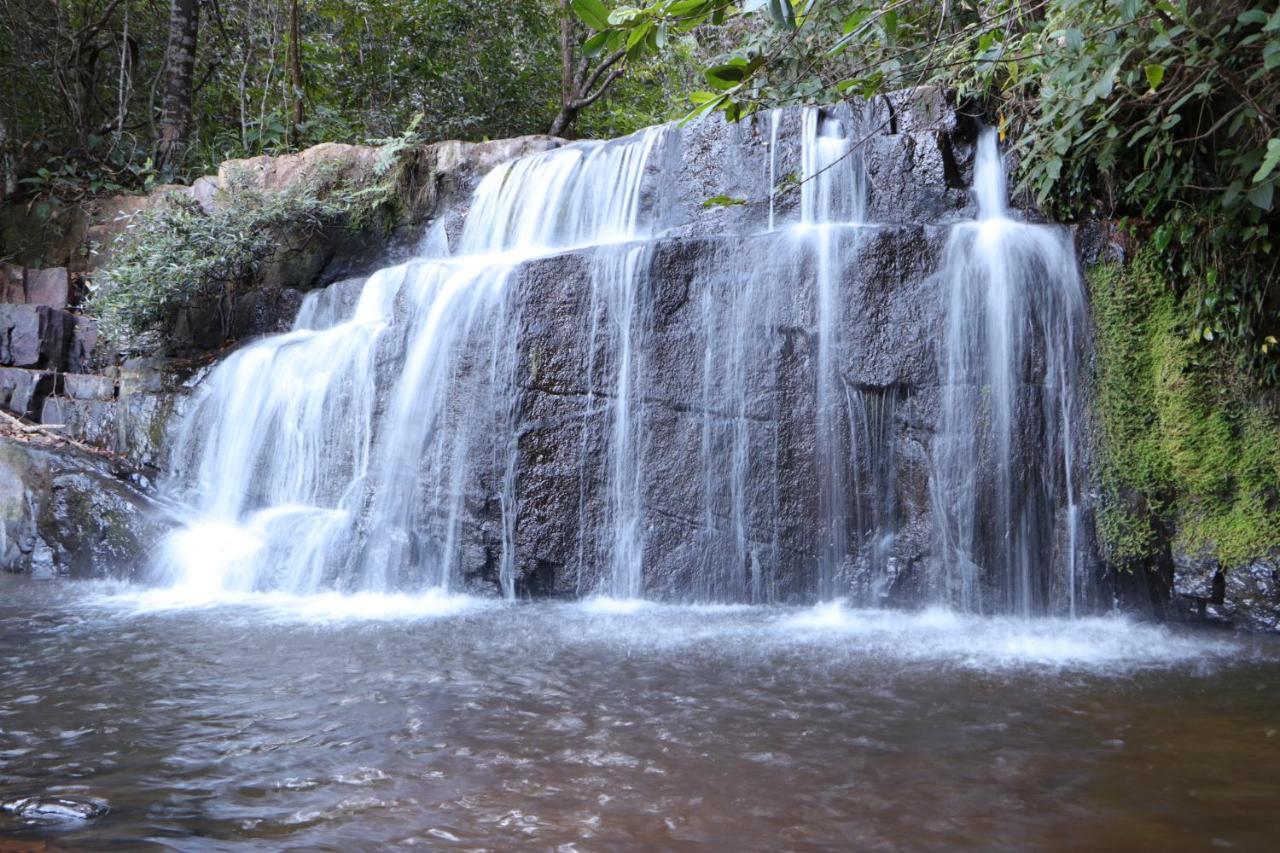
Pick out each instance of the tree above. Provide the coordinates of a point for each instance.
(295, 65)
(581, 85)
(179, 77)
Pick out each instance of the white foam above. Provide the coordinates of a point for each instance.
(325, 607)
(606, 604)
(999, 642)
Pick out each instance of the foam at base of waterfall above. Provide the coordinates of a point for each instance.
(606, 604)
(320, 608)
(609, 606)
(1104, 643)
(902, 641)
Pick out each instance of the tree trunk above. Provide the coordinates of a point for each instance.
(8, 176)
(179, 74)
(568, 39)
(580, 85)
(295, 65)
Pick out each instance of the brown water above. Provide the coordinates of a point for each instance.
(326, 723)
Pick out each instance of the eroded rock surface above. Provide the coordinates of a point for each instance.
(69, 513)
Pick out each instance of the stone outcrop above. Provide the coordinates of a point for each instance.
(1245, 596)
(65, 512)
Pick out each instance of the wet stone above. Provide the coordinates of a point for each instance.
(49, 808)
(88, 386)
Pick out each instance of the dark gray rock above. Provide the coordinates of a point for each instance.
(64, 512)
(84, 355)
(34, 336)
(1245, 596)
(23, 392)
(710, 324)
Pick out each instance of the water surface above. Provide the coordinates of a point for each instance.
(320, 722)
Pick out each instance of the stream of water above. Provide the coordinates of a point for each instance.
(461, 723)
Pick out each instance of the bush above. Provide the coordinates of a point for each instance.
(174, 252)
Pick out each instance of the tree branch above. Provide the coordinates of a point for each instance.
(88, 31)
(604, 66)
(592, 98)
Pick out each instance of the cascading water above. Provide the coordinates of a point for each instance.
(341, 455)
(378, 445)
(1006, 500)
(833, 194)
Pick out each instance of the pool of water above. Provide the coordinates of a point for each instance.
(134, 718)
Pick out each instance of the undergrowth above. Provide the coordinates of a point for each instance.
(175, 252)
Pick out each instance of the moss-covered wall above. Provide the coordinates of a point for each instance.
(1189, 450)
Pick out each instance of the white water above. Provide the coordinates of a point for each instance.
(1006, 503)
(1102, 645)
(374, 449)
(381, 418)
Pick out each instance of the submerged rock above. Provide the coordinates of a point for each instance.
(56, 808)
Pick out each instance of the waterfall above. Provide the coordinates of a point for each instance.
(833, 194)
(344, 454)
(578, 387)
(1004, 480)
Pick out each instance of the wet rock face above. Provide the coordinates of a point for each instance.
(917, 155)
(714, 346)
(66, 513)
(1246, 596)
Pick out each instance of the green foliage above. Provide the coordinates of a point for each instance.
(78, 115)
(1168, 111)
(1184, 445)
(175, 252)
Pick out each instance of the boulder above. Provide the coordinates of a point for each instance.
(64, 512)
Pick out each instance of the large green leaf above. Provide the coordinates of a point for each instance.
(726, 76)
(593, 13)
(1269, 162)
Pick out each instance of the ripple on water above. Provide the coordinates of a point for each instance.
(50, 808)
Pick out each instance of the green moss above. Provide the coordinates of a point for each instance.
(1186, 447)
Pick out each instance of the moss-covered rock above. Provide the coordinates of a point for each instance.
(1190, 452)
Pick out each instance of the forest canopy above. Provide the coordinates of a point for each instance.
(1164, 114)
(93, 86)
